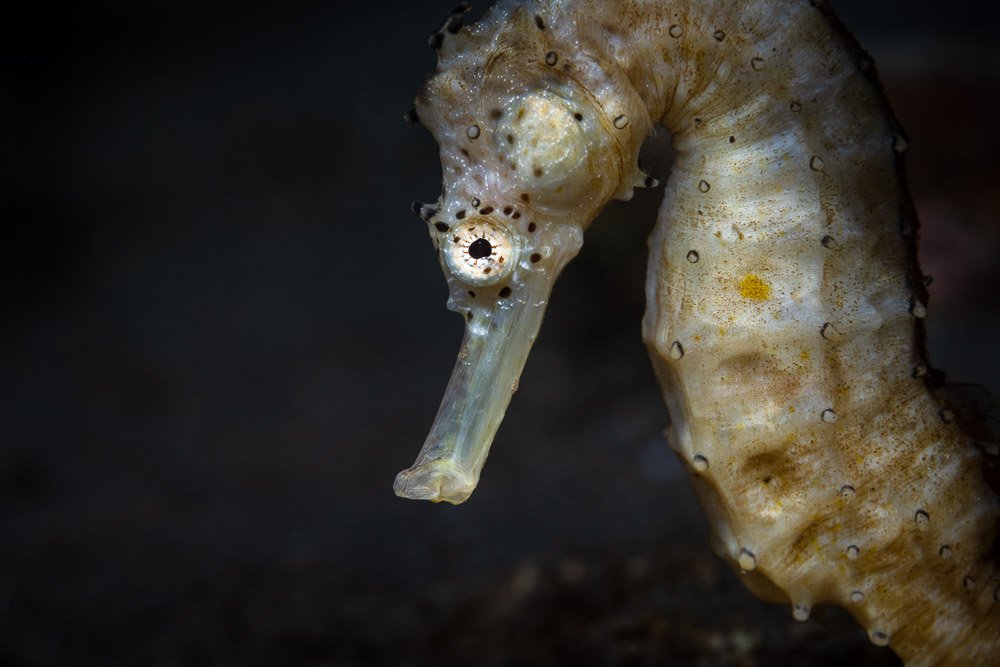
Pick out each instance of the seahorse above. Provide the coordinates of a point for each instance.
(785, 304)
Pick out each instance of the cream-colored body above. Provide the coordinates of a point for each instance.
(784, 301)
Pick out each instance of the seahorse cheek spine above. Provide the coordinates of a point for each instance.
(784, 301)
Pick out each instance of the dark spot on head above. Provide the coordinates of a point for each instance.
(532, 227)
(487, 270)
(425, 211)
(461, 214)
(513, 166)
(480, 248)
(535, 258)
(539, 22)
(510, 138)
(411, 117)
(436, 40)
(516, 215)
(732, 140)
(496, 114)
(486, 210)
(475, 202)
(795, 107)
(507, 210)
(465, 153)
(472, 294)
(441, 227)
(469, 315)
(538, 171)
(578, 116)
(525, 198)
(767, 480)
(505, 292)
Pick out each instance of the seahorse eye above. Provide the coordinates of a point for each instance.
(480, 253)
(480, 248)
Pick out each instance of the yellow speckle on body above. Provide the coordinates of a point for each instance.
(754, 287)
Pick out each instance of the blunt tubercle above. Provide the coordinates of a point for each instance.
(453, 23)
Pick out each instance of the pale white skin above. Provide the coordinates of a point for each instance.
(783, 297)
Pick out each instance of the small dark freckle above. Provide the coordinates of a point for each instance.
(469, 315)
(505, 292)
(487, 270)
(486, 211)
(496, 114)
(578, 116)
(513, 166)
(507, 210)
(472, 294)
(510, 138)
(732, 140)
(697, 121)
(441, 227)
(411, 117)
(461, 214)
(525, 198)
(465, 152)
(795, 107)
(532, 227)
(539, 22)
(535, 258)
(538, 171)
(767, 480)
(516, 215)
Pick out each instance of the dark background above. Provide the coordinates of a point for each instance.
(226, 334)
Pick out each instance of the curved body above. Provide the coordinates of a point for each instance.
(784, 302)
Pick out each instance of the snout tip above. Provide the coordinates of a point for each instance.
(440, 480)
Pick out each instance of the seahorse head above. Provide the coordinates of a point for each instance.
(534, 140)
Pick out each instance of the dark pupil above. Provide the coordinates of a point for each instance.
(480, 248)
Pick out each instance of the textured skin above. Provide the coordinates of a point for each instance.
(784, 299)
